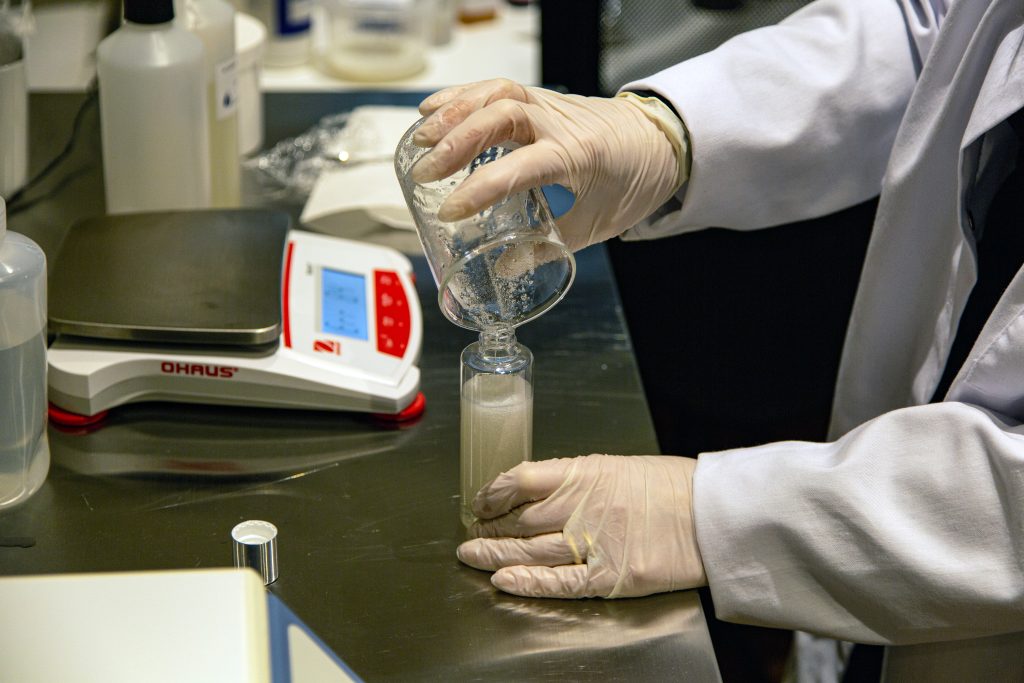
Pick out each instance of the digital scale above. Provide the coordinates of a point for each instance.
(229, 307)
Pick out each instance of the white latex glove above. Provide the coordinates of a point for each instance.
(597, 525)
(622, 157)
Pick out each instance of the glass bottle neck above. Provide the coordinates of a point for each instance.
(498, 342)
(497, 352)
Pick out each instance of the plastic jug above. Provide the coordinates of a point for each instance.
(24, 449)
(156, 144)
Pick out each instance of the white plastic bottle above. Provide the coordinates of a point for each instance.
(214, 22)
(24, 449)
(156, 150)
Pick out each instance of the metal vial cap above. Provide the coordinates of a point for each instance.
(255, 545)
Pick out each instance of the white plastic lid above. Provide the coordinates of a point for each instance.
(250, 39)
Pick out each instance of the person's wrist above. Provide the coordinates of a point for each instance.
(661, 114)
(689, 466)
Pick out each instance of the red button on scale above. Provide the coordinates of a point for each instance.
(393, 320)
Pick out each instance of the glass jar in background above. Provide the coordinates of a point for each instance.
(372, 40)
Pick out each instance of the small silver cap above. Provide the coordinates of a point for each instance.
(255, 545)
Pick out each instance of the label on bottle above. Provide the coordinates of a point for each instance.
(293, 16)
(226, 88)
(382, 17)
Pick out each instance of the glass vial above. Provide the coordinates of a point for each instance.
(24, 449)
(496, 410)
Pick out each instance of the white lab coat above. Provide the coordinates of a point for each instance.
(908, 528)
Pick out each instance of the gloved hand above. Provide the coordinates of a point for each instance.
(622, 157)
(597, 525)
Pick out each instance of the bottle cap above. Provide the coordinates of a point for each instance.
(255, 545)
(149, 11)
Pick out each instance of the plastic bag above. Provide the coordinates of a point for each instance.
(291, 167)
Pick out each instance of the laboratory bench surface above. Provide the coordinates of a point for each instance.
(368, 517)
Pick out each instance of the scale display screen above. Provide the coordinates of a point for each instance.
(343, 304)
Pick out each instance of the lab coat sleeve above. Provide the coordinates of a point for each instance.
(796, 120)
(908, 529)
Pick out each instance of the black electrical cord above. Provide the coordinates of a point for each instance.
(18, 201)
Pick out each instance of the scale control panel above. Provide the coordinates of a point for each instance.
(350, 303)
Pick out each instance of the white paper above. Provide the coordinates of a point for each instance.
(345, 199)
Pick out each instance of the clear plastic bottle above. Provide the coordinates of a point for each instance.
(156, 150)
(496, 412)
(24, 449)
(214, 22)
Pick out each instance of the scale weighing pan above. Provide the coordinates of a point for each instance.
(189, 277)
(229, 307)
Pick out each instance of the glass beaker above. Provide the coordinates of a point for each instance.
(371, 40)
(501, 267)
